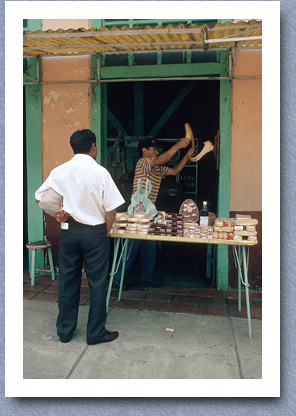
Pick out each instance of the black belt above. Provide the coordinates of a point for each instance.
(79, 224)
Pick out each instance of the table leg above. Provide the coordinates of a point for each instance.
(241, 260)
(238, 261)
(125, 256)
(239, 278)
(116, 246)
(246, 283)
(32, 274)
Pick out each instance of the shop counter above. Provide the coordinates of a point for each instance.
(240, 252)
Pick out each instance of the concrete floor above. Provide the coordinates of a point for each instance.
(201, 347)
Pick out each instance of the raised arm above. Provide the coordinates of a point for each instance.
(176, 169)
(166, 156)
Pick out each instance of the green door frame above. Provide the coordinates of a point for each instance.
(224, 179)
(98, 23)
(33, 150)
(206, 69)
(172, 108)
(99, 113)
(34, 159)
(222, 259)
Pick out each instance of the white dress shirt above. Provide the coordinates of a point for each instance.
(87, 188)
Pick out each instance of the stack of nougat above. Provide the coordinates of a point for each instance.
(167, 224)
(223, 228)
(193, 230)
(138, 224)
(242, 227)
(174, 224)
(120, 223)
(131, 224)
(245, 228)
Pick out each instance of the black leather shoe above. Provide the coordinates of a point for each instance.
(65, 338)
(116, 285)
(108, 337)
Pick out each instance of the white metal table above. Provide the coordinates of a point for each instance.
(240, 252)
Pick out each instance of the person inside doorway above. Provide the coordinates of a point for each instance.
(151, 165)
(90, 199)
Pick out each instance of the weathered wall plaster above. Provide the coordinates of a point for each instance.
(65, 107)
(246, 142)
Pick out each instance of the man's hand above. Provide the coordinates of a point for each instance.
(166, 156)
(191, 152)
(182, 143)
(62, 216)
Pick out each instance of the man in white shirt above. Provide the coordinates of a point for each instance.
(90, 198)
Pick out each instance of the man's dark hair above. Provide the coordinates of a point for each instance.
(145, 144)
(82, 140)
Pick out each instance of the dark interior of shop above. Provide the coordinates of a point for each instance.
(180, 264)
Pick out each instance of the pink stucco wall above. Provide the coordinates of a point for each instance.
(246, 134)
(65, 107)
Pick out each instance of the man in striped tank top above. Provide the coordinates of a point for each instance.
(151, 166)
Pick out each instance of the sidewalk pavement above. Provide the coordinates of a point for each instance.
(200, 347)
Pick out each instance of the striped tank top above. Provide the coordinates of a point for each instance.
(144, 170)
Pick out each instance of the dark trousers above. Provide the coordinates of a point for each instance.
(77, 244)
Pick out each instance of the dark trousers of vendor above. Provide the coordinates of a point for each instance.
(148, 257)
(90, 244)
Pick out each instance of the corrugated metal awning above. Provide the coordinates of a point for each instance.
(148, 38)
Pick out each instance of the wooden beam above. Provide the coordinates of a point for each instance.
(35, 81)
(116, 123)
(224, 178)
(99, 111)
(161, 51)
(34, 159)
(138, 109)
(237, 51)
(236, 39)
(171, 109)
(162, 71)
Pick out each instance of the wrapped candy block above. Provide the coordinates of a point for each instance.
(241, 219)
(239, 228)
(131, 224)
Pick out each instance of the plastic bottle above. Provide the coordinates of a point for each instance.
(204, 214)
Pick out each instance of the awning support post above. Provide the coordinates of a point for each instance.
(237, 51)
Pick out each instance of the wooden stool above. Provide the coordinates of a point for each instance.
(40, 245)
